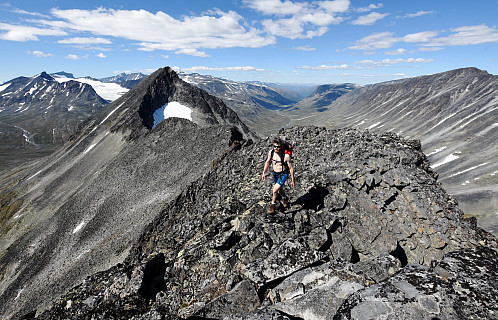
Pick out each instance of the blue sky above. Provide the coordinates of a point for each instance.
(266, 40)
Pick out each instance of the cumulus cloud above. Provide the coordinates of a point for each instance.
(101, 55)
(370, 7)
(27, 33)
(160, 31)
(370, 19)
(85, 41)
(277, 7)
(40, 54)
(299, 19)
(72, 57)
(192, 52)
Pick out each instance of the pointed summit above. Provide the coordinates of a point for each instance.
(46, 76)
(134, 111)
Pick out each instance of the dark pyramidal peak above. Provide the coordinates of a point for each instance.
(370, 232)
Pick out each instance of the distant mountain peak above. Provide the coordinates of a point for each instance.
(63, 74)
(46, 76)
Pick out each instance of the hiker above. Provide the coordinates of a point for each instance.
(282, 166)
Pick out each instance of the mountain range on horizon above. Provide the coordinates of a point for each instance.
(134, 219)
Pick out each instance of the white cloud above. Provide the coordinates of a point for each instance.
(304, 48)
(388, 62)
(370, 7)
(237, 69)
(335, 6)
(304, 20)
(294, 28)
(370, 19)
(165, 56)
(72, 57)
(420, 36)
(467, 35)
(25, 33)
(101, 55)
(430, 49)
(192, 52)
(276, 7)
(20, 11)
(396, 52)
(40, 54)
(414, 15)
(381, 40)
(160, 31)
(85, 41)
(326, 67)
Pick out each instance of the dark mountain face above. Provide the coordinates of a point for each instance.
(369, 231)
(39, 114)
(80, 210)
(453, 114)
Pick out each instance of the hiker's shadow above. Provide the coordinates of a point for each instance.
(311, 200)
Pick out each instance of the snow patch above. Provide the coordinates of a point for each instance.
(111, 113)
(437, 151)
(170, 110)
(18, 294)
(34, 175)
(449, 158)
(4, 86)
(89, 148)
(469, 169)
(373, 125)
(108, 91)
(79, 227)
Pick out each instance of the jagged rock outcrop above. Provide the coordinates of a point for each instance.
(370, 232)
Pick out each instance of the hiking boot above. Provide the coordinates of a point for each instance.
(271, 209)
(285, 202)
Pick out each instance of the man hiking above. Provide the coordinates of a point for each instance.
(282, 166)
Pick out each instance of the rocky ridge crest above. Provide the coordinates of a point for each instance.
(369, 233)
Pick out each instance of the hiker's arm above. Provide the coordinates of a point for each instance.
(291, 169)
(267, 164)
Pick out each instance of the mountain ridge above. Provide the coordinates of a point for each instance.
(452, 113)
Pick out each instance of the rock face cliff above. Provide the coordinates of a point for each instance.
(369, 233)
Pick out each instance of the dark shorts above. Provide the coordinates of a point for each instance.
(280, 177)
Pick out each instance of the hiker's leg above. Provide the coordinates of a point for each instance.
(281, 192)
(275, 192)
